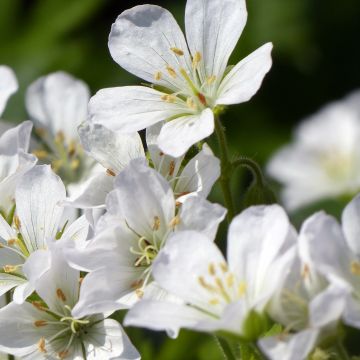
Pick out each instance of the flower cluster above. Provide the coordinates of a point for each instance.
(94, 220)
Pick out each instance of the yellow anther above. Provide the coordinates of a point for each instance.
(175, 221)
(12, 242)
(355, 267)
(41, 132)
(305, 272)
(171, 168)
(156, 225)
(63, 354)
(168, 98)
(10, 268)
(59, 137)
(41, 345)
(158, 76)
(230, 280)
(139, 293)
(214, 301)
(190, 103)
(72, 149)
(224, 267)
(204, 284)
(75, 164)
(177, 51)
(171, 72)
(17, 222)
(60, 294)
(40, 154)
(212, 270)
(211, 79)
(38, 305)
(137, 284)
(242, 288)
(110, 172)
(40, 323)
(196, 60)
(57, 164)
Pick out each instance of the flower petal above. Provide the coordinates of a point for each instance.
(107, 340)
(141, 41)
(8, 282)
(244, 80)
(16, 138)
(178, 135)
(143, 195)
(58, 102)
(198, 214)
(111, 149)
(199, 175)
(163, 315)
(293, 347)
(8, 85)
(132, 108)
(38, 209)
(213, 28)
(351, 224)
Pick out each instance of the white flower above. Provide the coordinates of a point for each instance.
(37, 220)
(57, 104)
(306, 305)
(324, 160)
(114, 151)
(219, 295)
(47, 329)
(336, 252)
(8, 86)
(188, 85)
(141, 214)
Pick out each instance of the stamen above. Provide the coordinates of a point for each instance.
(177, 51)
(10, 268)
(202, 98)
(72, 149)
(175, 221)
(60, 294)
(212, 269)
(168, 98)
(110, 172)
(38, 305)
(221, 287)
(214, 301)
(75, 164)
(139, 293)
(137, 284)
(40, 323)
(211, 79)
(230, 280)
(41, 345)
(171, 168)
(59, 137)
(63, 354)
(205, 285)
(158, 76)
(224, 267)
(156, 225)
(190, 103)
(242, 288)
(355, 267)
(196, 60)
(12, 242)
(171, 71)
(17, 222)
(41, 132)
(40, 154)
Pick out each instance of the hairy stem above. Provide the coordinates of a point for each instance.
(225, 169)
(225, 348)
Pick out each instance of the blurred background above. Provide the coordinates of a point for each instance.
(316, 60)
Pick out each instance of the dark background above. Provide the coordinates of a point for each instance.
(316, 60)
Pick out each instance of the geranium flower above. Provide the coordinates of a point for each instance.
(190, 77)
(324, 159)
(141, 214)
(219, 295)
(49, 329)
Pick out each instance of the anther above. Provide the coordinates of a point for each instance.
(10, 268)
(75, 164)
(17, 222)
(156, 225)
(211, 269)
(59, 137)
(202, 99)
(63, 354)
(168, 98)
(171, 72)
(242, 288)
(196, 60)
(72, 149)
(137, 284)
(41, 345)
(171, 168)
(12, 242)
(60, 294)
(175, 221)
(158, 76)
(190, 103)
(38, 306)
(214, 301)
(224, 267)
(211, 79)
(139, 293)
(40, 154)
(177, 51)
(355, 267)
(230, 280)
(41, 132)
(110, 172)
(40, 323)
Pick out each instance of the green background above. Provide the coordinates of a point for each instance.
(316, 60)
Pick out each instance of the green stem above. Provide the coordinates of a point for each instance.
(252, 166)
(225, 168)
(341, 351)
(225, 348)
